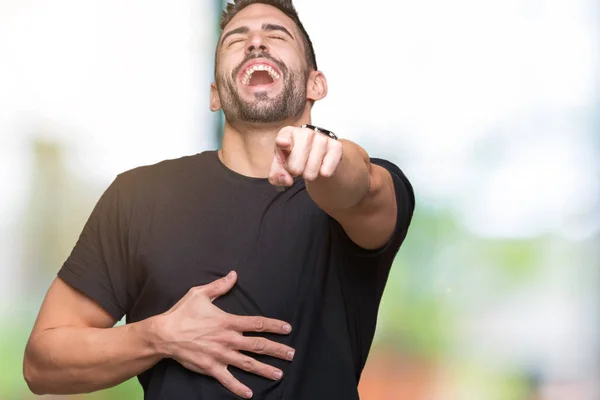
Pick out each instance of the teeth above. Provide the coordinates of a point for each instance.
(259, 67)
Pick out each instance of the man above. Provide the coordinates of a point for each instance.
(297, 317)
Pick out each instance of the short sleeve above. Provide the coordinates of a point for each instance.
(97, 265)
(405, 202)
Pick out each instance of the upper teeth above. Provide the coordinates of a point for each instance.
(259, 67)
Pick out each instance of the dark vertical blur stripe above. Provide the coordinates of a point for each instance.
(219, 119)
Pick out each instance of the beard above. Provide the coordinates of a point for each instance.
(290, 103)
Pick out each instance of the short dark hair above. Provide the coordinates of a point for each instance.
(286, 7)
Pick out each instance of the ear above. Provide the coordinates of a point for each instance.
(316, 87)
(215, 99)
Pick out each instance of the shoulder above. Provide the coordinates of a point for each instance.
(402, 184)
(163, 169)
(390, 167)
(161, 173)
(146, 183)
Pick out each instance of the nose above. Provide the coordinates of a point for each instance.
(256, 43)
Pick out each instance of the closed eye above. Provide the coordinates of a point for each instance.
(235, 41)
(277, 37)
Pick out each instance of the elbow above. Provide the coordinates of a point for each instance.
(32, 376)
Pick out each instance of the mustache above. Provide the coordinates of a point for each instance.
(265, 56)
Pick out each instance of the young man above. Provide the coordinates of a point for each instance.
(309, 223)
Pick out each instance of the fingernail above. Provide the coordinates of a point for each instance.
(277, 374)
(231, 275)
(248, 394)
(290, 355)
(287, 328)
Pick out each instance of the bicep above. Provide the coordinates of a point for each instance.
(66, 306)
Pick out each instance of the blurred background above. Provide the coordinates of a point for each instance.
(491, 108)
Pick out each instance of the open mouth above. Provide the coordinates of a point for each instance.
(260, 74)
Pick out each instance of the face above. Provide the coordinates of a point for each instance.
(261, 74)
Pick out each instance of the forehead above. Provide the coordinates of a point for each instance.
(256, 15)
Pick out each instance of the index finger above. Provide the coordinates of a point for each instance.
(285, 139)
(259, 324)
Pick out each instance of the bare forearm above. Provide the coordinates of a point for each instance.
(71, 360)
(349, 184)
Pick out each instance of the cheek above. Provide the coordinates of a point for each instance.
(298, 63)
(226, 65)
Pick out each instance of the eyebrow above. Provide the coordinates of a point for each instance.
(265, 27)
(242, 29)
(273, 27)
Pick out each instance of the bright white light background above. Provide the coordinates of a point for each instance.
(425, 83)
(432, 81)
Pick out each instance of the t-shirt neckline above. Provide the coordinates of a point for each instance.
(236, 175)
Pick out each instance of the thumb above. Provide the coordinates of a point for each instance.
(221, 286)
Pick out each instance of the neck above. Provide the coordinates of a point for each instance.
(248, 149)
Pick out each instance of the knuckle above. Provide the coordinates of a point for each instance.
(211, 369)
(294, 170)
(248, 365)
(226, 322)
(214, 354)
(232, 339)
(259, 345)
(321, 139)
(195, 289)
(217, 284)
(223, 338)
(259, 324)
(227, 382)
(326, 173)
(280, 351)
(309, 176)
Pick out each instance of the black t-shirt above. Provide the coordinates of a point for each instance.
(160, 230)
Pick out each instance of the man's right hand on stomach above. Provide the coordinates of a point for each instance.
(207, 340)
